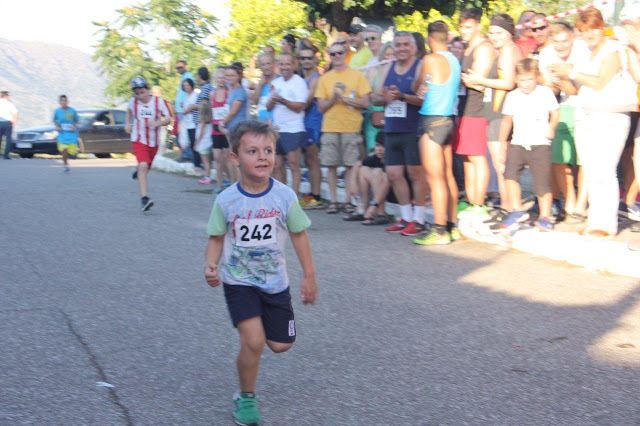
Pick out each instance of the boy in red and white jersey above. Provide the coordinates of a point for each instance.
(145, 115)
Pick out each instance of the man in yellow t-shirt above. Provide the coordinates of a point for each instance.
(342, 93)
(356, 40)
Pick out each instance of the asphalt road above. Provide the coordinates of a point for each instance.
(91, 290)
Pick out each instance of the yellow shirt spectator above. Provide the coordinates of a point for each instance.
(341, 118)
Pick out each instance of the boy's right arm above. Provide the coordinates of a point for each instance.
(212, 256)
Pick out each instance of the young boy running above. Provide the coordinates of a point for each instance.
(247, 230)
(66, 120)
(533, 112)
(145, 115)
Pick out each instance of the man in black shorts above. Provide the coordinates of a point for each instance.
(396, 92)
(436, 134)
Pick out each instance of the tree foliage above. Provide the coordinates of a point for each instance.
(256, 23)
(147, 39)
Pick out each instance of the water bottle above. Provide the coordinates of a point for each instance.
(427, 82)
(352, 95)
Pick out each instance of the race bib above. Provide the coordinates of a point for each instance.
(488, 95)
(255, 232)
(67, 127)
(262, 103)
(396, 109)
(145, 113)
(220, 113)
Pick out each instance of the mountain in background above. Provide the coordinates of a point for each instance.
(36, 73)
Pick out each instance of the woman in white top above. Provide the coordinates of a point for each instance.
(188, 112)
(606, 95)
(204, 140)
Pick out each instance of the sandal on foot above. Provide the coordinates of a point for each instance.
(381, 219)
(353, 217)
(332, 208)
(349, 208)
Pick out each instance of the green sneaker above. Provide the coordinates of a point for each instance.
(433, 238)
(480, 211)
(463, 205)
(245, 409)
(455, 234)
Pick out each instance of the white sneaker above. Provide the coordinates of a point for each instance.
(633, 212)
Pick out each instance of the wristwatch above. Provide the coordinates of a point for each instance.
(402, 97)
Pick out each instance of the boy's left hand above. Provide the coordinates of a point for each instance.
(309, 290)
(211, 274)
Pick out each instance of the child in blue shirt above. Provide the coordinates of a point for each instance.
(66, 120)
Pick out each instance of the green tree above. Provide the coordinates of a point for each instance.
(147, 39)
(256, 23)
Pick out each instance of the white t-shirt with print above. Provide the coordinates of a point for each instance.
(189, 119)
(530, 115)
(295, 90)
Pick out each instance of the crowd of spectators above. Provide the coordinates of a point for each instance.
(447, 121)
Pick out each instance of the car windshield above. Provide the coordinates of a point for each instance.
(86, 117)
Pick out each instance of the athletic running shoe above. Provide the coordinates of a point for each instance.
(544, 224)
(134, 175)
(412, 229)
(480, 212)
(496, 217)
(205, 181)
(434, 237)
(632, 211)
(455, 234)
(65, 169)
(146, 204)
(311, 203)
(463, 205)
(245, 409)
(514, 219)
(398, 226)
(219, 189)
(226, 183)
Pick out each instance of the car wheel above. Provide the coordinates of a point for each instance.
(27, 155)
(103, 155)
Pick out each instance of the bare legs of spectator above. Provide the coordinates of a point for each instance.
(564, 182)
(221, 157)
(476, 178)
(353, 185)
(630, 181)
(399, 184)
(205, 159)
(438, 164)
(280, 172)
(374, 180)
(498, 152)
(583, 193)
(143, 169)
(515, 198)
(332, 180)
(313, 165)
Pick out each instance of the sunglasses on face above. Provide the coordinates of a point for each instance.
(305, 58)
(179, 68)
(535, 30)
(332, 54)
(368, 39)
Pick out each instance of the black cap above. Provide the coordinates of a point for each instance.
(355, 29)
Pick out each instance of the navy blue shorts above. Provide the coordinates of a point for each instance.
(290, 142)
(275, 310)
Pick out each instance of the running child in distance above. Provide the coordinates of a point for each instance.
(145, 115)
(247, 231)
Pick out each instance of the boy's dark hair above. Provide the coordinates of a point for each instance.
(439, 31)
(62, 97)
(527, 65)
(203, 73)
(253, 127)
(189, 82)
(380, 138)
(471, 13)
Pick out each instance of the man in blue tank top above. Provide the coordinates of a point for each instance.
(441, 80)
(396, 91)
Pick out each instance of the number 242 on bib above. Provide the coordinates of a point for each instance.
(255, 232)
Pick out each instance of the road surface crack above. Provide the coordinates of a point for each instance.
(93, 359)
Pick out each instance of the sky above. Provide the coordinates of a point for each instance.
(68, 22)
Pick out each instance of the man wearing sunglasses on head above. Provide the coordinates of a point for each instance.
(342, 93)
(356, 40)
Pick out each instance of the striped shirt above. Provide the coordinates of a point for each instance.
(142, 114)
